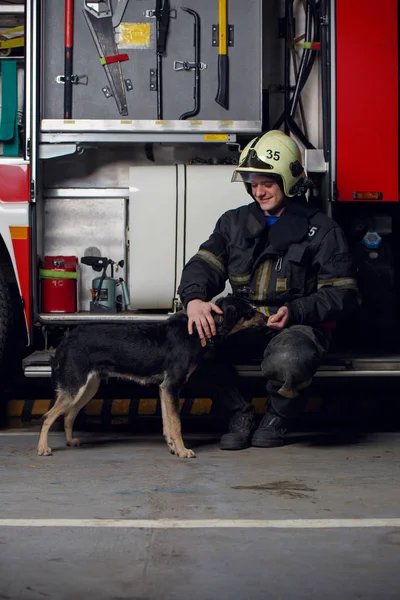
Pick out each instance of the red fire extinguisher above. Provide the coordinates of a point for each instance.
(59, 276)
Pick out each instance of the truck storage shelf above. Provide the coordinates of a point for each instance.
(82, 317)
(149, 126)
(127, 136)
(38, 364)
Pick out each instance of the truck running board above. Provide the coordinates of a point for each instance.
(38, 364)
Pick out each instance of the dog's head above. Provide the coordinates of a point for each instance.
(238, 314)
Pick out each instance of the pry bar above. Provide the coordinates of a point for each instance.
(162, 15)
(197, 65)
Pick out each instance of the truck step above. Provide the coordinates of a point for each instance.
(38, 364)
(65, 319)
(342, 366)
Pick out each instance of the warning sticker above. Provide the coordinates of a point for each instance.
(135, 35)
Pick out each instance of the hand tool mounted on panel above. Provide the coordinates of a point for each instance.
(195, 66)
(101, 22)
(223, 37)
(162, 14)
(68, 79)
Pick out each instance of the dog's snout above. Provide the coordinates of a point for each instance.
(259, 319)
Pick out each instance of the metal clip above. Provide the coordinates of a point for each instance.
(184, 65)
(150, 13)
(83, 79)
(106, 91)
(231, 35)
(153, 80)
(128, 85)
(279, 264)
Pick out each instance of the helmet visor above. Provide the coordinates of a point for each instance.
(250, 176)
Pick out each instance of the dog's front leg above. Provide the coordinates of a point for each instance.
(170, 409)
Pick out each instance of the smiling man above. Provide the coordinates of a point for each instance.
(295, 261)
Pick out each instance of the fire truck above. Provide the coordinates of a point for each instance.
(122, 121)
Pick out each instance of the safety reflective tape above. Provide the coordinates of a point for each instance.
(19, 233)
(40, 407)
(264, 310)
(119, 411)
(239, 278)
(344, 282)
(263, 278)
(49, 274)
(281, 285)
(212, 260)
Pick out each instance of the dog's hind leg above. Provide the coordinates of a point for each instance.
(166, 426)
(169, 397)
(84, 395)
(60, 407)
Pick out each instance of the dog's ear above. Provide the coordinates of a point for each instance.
(224, 323)
(245, 292)
(218, 320)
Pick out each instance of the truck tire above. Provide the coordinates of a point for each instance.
(5, 317)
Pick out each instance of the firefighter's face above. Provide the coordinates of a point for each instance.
(268, 194)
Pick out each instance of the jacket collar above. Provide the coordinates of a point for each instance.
(291, 227)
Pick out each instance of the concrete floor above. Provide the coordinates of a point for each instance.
(123, 477)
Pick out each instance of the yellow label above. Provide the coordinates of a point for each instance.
(161, 122)
(126, 122)
(216, 137)
(69, 121)
(196, 122)
(226, 122)
(134, 35)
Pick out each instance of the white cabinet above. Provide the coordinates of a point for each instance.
(172, 210)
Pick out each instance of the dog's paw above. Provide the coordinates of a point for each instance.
(74, 442)
(170, 444)
(187, 454)
(44, 451)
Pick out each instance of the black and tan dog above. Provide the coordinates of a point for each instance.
(153, 353)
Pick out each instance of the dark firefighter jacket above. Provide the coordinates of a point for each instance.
(301, 262)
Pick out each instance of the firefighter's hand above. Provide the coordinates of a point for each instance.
(200, 314)
(280, 319)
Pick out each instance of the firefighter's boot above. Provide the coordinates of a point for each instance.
(241, 428)
(271, 432)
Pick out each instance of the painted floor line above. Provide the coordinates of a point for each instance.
(206, 523)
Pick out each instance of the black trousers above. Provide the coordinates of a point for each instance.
(289, 360)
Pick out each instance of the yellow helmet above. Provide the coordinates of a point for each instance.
(274, 153)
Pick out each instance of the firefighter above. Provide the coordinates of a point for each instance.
(297, 270)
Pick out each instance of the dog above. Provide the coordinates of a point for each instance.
(146, 353)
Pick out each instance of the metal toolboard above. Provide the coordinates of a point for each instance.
(93, 112)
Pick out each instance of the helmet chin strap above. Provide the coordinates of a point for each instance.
(302, 186)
